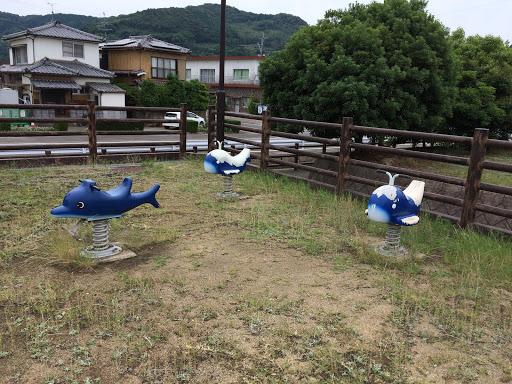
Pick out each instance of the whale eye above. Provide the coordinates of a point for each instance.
(80, 205)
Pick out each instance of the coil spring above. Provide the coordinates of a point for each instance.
(393, 236)
(227, 184)
(100, 235)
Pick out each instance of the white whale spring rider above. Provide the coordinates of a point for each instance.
(389, 204)
(221, 162)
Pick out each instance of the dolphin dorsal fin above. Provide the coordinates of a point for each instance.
(123, 189)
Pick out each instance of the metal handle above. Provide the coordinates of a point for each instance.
(391, 177)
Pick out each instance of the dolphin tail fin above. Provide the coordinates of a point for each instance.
(151, 197)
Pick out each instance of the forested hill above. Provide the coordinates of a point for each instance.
(193, 27)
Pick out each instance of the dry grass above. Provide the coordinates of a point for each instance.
(281, 287)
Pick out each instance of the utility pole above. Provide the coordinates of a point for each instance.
(221, 94)
(260, 44)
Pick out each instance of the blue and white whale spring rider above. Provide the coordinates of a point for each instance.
(389, 204)
(88, 202)
(221, 162)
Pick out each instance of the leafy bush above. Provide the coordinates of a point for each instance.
(5, 126)
(103, 126)
(253, 106)
(192, 126)
(234, 122)
(60, 126)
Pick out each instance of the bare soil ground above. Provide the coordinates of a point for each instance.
(210, 303)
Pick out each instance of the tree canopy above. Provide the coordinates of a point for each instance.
(386, 64)
(173, 93)
(484, 85)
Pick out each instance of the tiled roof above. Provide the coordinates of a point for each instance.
(145, 41)
(136, 72)
(55, 84)
(57, 30)
(47, 66)
(105, 88)
(86, 70)
(13, 68)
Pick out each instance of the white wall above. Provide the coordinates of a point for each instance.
(112, 99)
(252, 64)
(52, 48)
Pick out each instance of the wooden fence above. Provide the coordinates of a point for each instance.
(94, 148)
(327, 163)
(473, 204)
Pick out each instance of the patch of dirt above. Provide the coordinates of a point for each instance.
(211, 306)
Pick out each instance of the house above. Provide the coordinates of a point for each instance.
(140, 58)
(241, 78)
(58, 64)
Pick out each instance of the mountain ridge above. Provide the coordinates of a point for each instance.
(193, 27)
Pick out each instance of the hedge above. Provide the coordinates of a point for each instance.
(5, 126)
(192, 126)
(60, 126)
(234, 122)
(104, 126)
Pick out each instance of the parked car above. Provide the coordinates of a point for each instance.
(177, 116)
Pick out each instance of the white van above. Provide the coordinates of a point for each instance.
(177, 116)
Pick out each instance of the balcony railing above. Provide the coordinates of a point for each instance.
(251, 80)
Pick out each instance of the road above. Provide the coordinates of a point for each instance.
(198, 140)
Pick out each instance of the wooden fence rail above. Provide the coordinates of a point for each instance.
(92, 146)
(328, 163)
(467, 203)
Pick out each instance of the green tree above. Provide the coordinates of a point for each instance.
(484, 94)
(253, 105)
(387, 65)
(197, 96)
(174, 92)
(150, 94)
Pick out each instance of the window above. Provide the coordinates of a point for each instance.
(241, 74)
(161, 67)
(228, 100)
(82, 91)
(189, 75)
(19, 54)
(70, 49)
(246, 101)
(207, 76)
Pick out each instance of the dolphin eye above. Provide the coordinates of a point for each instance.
(80, 205)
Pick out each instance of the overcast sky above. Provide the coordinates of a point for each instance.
(482, 17)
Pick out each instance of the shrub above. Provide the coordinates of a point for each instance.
(253, 106)
(192, 126)
(60, 126)
(5, 126)
(234, 122)
(103, 126)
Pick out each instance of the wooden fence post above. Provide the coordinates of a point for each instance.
(265, 140)
(344, 156)
(475, 170)
(211, 128)
(93, 143)
(183, 131)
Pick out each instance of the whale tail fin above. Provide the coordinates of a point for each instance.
(415, 191)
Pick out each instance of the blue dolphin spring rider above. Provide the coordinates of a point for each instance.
(88, 202)
(221, 162)
(389, 204)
